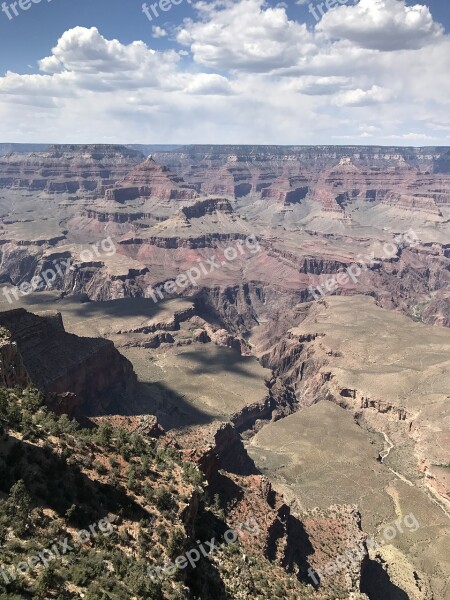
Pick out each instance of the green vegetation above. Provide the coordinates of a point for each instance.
(57, 478)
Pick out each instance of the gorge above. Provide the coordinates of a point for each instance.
(282, 395)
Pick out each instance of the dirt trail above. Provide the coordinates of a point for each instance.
(385, 453)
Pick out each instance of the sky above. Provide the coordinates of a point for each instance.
(225, 72)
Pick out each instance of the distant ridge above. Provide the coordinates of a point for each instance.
(150, 148)
(6, 148)
(22, 148)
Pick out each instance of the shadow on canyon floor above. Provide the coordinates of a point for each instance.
(79, 305)
(234, 363)
(375, 582)
(171, 409)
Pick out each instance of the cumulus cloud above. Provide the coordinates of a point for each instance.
(209, 84)
(84, 59)
(384, 25)
(359, 97)
(96, 63)
(246, 36)
(85, 50)
(36, 86)
(158, 32)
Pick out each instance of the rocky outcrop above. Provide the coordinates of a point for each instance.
(173, 242)
(214, 447)
(12, 369)
(145, 425)
(82, 376)
(230, 450)
(437, 312)
(410, 202)
(207, 207)
(150, 180)
(388, 574)
(287, 191)
(104, 216)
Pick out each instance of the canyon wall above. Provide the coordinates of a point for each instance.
(82, 376)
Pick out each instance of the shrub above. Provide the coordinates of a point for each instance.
(163, 499)
(105, 433)
(176, 543)
(18, 508)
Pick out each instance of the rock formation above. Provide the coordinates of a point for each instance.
(150, 180)
(83, 376)
(80, 170)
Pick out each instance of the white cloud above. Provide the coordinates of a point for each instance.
(246, 36)
(321, 86)
(413, 137)
(382, 25)
(209, 84)
(359, 97)
(95, 63)
(84, 50)
(158, 32)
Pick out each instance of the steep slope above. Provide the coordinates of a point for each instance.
(80, 375)
(131, 517)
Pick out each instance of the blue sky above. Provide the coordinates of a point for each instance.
(227, 71)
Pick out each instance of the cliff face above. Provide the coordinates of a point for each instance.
(313, 212)
(240, 158)
(149, 179)
(81, 170)
(12, 369)
(294, 540)
(411, 179)
(85, 376)
(329, 175)
(396, 384)
(207, 207)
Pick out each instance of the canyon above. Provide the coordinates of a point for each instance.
(246, 365)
